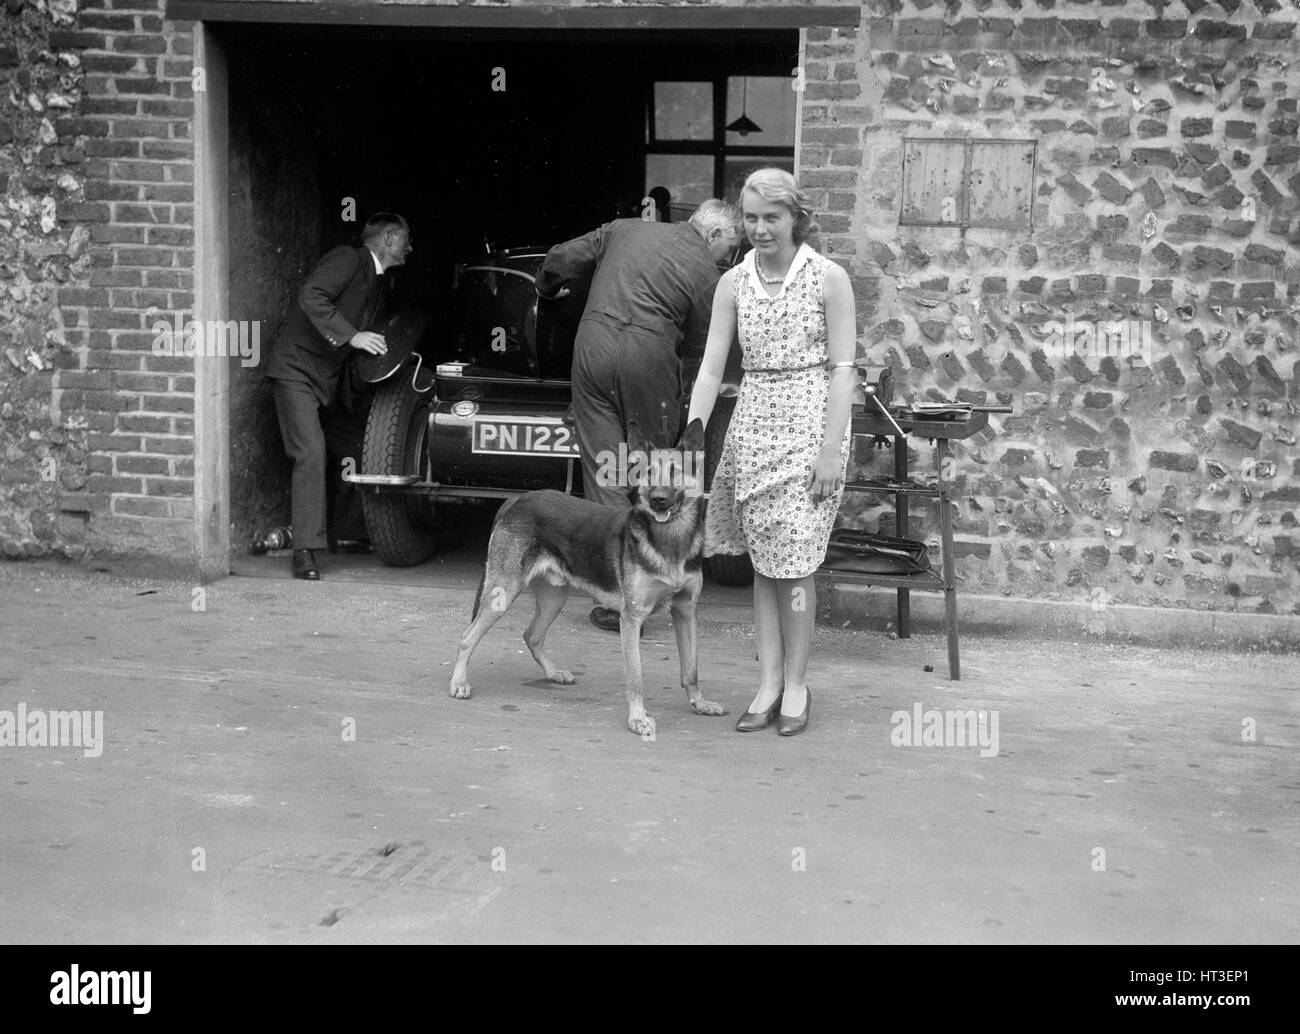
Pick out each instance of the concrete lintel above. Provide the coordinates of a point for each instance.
(436, 15)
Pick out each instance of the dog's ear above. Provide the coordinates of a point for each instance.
(692, 437)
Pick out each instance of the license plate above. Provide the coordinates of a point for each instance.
(524, 437)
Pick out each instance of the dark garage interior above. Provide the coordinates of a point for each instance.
(328, 122)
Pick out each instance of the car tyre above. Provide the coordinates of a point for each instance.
(399, 524)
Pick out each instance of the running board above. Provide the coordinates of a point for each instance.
(397, 482)
(390, 480)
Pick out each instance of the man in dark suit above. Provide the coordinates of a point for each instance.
(643, 331)
(343, 297)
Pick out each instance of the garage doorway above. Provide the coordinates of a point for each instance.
(480, 137)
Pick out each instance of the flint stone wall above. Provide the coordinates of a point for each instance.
(1173, 482)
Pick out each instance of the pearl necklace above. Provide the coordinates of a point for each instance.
(779, 278)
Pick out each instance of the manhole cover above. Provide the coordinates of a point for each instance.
(356, 884)
(404, 865)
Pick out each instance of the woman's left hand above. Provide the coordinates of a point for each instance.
(826, 478)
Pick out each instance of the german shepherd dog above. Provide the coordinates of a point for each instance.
(633, 561)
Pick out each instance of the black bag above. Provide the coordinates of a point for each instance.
(864, 553)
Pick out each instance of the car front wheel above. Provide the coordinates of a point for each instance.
(400, 528)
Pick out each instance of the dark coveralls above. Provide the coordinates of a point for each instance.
(342, 295)
(642, 335)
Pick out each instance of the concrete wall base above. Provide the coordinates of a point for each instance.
(864, 607)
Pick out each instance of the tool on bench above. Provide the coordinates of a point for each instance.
(879, 392)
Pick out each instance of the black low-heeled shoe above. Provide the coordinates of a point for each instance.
(304, 565)
(752, 721)
(793, 725)
(608, 619)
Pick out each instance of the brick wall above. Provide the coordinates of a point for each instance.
(1175, 483)
(103, 150)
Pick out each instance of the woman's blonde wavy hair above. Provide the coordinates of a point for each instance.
(778, 187)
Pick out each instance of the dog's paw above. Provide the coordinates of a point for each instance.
(708, 707)
(460, 689)
(564, 678)
(643, 726)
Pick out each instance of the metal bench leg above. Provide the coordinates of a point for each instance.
(949, 567)
(900, 521)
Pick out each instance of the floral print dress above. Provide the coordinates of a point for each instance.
(759, 503)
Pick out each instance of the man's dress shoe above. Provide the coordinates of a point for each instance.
(304, 565)
(607, 618)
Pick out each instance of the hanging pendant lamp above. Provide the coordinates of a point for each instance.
(744, 125)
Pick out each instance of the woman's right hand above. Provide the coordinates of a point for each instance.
(826, 477)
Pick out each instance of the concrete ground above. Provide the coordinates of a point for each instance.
(230, 803)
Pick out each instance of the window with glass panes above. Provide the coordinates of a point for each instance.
(691, 152)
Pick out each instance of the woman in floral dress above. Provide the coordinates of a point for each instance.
(781, 474)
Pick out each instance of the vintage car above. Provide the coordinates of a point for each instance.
(478, 407)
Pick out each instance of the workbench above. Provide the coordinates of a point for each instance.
(902, 487)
